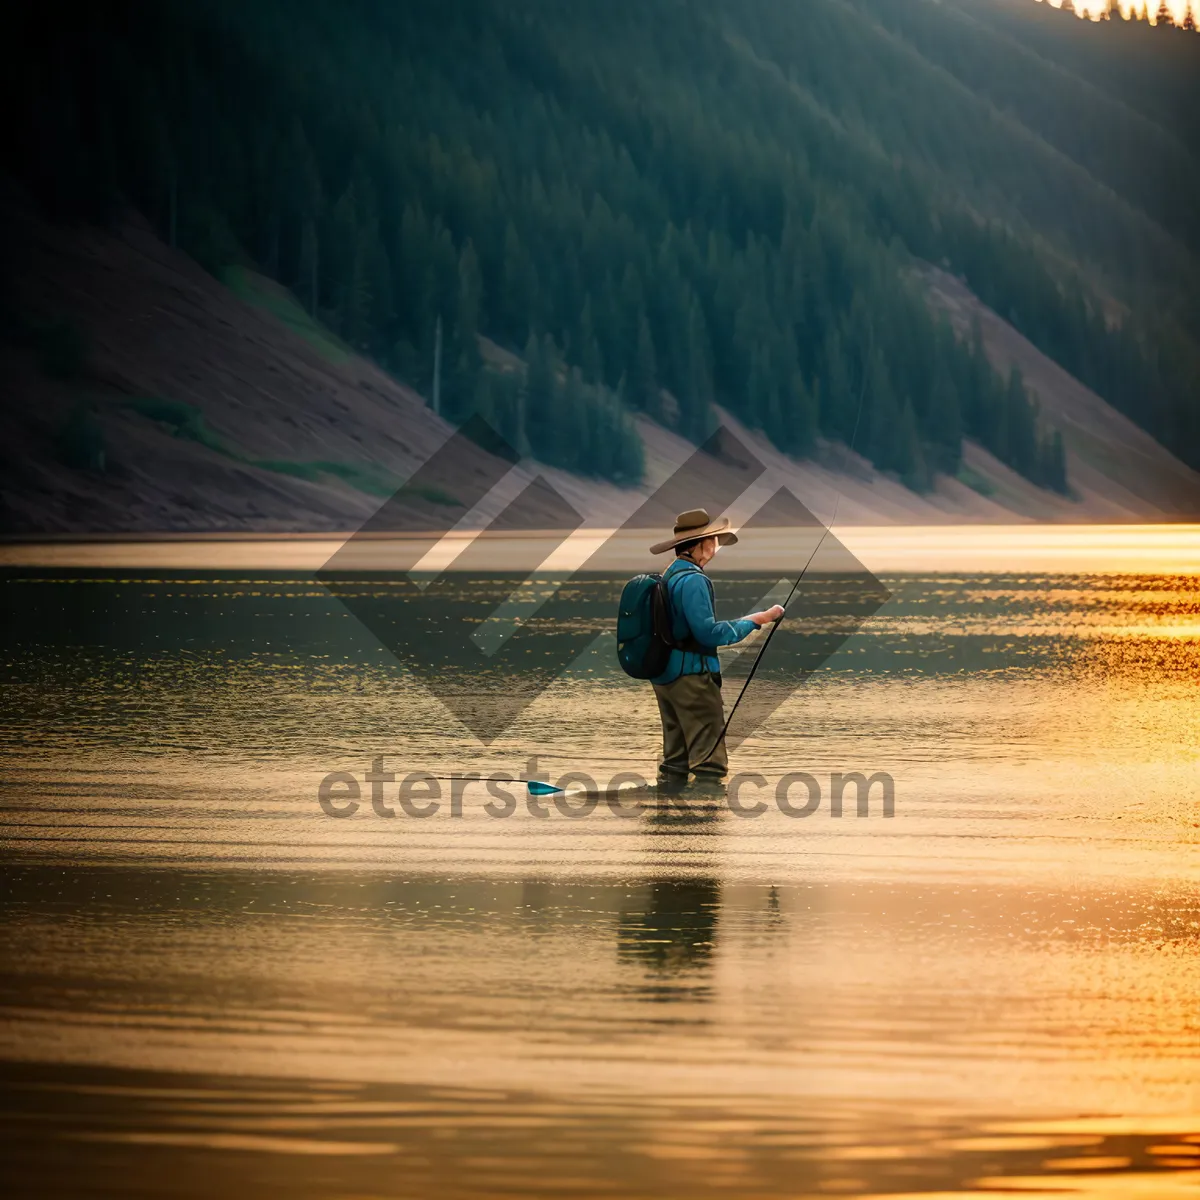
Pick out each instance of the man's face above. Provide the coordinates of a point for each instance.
(704, 552)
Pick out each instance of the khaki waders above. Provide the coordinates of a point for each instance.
(692, 719)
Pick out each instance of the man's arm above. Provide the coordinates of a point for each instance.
(696, 601)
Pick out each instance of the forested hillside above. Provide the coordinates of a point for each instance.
(663, 205)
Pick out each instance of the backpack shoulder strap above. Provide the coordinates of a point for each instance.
(695, 571)
(689, 642)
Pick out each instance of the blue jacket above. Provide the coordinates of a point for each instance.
(692, 612)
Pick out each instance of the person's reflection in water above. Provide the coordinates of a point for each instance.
(691, 807)
(672, 931)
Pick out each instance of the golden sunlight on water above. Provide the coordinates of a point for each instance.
(1102, 549)
(991, 992)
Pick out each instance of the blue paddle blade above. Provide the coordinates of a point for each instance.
(537, 788)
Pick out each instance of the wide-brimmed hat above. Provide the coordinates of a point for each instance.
(694, 524)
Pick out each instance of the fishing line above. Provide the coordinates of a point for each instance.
(862, 395)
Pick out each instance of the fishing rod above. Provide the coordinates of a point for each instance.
(862, 395)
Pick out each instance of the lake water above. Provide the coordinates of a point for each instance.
(208, 986)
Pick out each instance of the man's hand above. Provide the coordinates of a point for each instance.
(765, 618)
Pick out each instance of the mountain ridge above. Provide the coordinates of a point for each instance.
(668, 214)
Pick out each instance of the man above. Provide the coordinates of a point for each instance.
(689, 689)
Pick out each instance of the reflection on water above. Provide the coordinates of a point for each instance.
(674, 933)
(207, 987)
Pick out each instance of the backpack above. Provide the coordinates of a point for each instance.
(645, 637)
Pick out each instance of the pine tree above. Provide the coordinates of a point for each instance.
(632, 303)
(300, 202)
(761, 406)
(461, 386)
(492, 401)
(541, 397)
(837, 402)
(348, 250)
(1189, 19)
(1164, 15)
(588, 353)
(520, 416)
(469, 304)
(944, 421)
(608, 324)
(630, 458)
(1056, 468)
(909, 456)
(420, 301)
(583, 444)
(644, 390)
(977, 391)
(516, 306)
(308, 287)
(696, 401)
(798, 432)
(880, 435)
(1020, 418)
